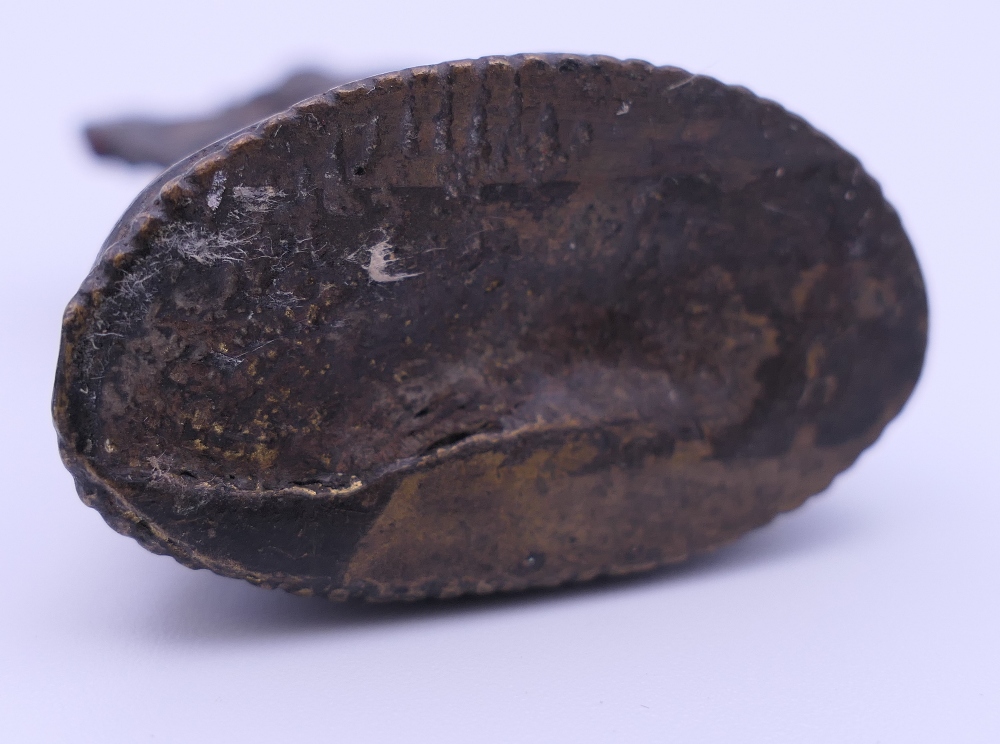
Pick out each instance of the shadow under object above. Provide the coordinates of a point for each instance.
(485, 326)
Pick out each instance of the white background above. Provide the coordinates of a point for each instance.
(869, 615)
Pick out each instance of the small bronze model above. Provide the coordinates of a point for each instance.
(485, 326)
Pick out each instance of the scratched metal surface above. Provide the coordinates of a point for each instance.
(485, 326)
(869, 614)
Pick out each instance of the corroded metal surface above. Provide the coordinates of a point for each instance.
(484, 326)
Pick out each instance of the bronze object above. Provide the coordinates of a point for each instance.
(485, 326)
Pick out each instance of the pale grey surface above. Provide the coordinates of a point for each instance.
(870, 615)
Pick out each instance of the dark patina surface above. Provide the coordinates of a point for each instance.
(484, 326)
